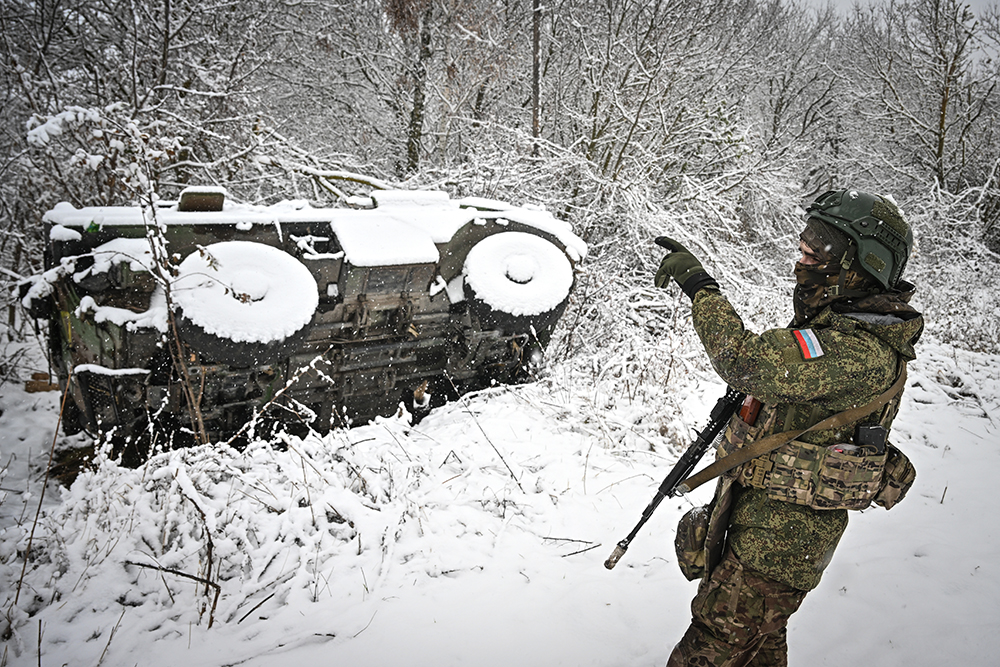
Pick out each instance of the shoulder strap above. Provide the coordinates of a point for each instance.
(772, 442)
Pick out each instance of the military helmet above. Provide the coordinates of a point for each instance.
(876, 227)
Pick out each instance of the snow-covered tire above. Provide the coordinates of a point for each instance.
(242, 303)
(517, 282)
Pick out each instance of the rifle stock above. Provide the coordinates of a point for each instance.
(673, 483)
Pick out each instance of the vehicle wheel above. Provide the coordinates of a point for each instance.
(242, 303)
(517, 282)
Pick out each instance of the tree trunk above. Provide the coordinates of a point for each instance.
(416, 130)
(536, 25)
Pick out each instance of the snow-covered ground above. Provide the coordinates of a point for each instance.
(477, 537)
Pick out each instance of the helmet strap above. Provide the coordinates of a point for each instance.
(840, 289)
(847, 259)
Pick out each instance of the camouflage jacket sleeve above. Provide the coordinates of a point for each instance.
(833, 364)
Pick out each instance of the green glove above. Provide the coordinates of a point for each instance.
(683, 267)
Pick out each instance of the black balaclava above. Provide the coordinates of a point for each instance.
(820, 285)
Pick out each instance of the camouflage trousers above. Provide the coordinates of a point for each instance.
(739, 620)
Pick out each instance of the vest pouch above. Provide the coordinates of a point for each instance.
(689, 544)
(820, 477)
(898, 478)
(739, 432)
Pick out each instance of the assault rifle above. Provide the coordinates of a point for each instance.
(723, 411)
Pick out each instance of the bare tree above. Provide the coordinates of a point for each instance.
(924, 90)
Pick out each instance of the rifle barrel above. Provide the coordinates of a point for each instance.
(723, 411)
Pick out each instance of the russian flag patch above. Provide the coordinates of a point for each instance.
(808, 343)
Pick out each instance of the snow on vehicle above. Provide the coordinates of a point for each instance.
(313, 317)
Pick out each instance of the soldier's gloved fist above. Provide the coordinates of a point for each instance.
(678, 264)
(683, 267)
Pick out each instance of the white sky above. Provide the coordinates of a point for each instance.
(845, 5)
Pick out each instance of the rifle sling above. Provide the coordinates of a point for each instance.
(772, 442)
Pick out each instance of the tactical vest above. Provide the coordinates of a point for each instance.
(834, 475)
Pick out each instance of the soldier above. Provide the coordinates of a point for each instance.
(775, 521)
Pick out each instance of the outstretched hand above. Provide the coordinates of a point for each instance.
(678, 264)
(682, 266)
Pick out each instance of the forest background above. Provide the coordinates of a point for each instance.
(715, 121)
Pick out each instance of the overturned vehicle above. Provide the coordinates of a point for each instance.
(199, 317)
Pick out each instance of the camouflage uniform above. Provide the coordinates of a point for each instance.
(762, 553)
